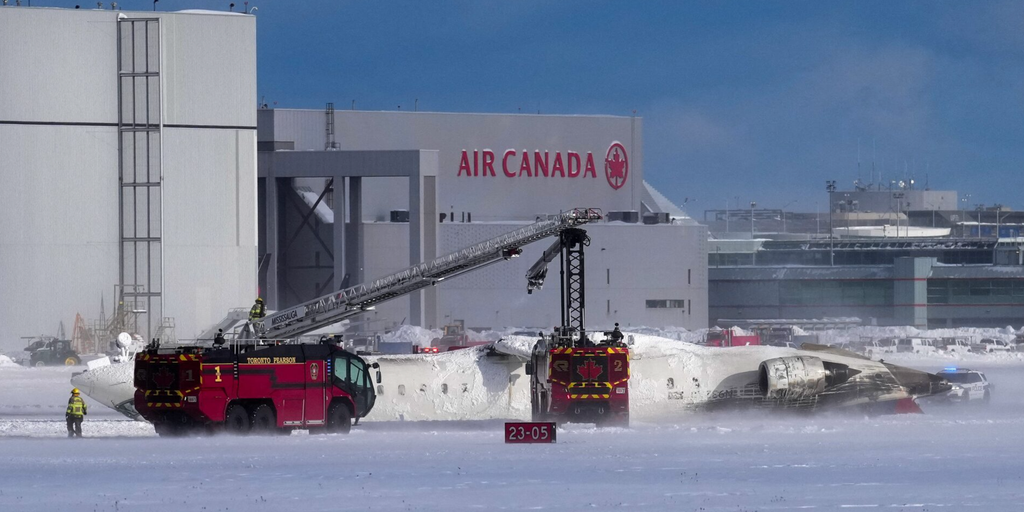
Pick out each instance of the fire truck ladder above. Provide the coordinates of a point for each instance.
(570, 244)
(337, 306)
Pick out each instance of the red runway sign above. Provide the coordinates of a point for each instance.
(516, 432)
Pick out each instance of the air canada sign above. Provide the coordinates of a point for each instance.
(539, 164)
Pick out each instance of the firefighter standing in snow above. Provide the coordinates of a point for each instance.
(75, 413)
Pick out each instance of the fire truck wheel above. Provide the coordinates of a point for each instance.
(236, 421)
(339, 420)
(264, 419)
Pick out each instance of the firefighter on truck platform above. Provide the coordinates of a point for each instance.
(258, 310)
(75, 413)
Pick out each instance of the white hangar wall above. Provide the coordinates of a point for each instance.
(627, 265)
(59, 148)
(489, 196)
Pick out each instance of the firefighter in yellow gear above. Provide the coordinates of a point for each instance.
(75, 413)
(258, 310)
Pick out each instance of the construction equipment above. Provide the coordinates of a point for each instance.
(51, 351)
(573, 375)
(455, 337)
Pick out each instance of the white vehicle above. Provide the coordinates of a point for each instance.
(872, 348)
(915, 346)
(990, 345)
(956, 345)
(968, 386)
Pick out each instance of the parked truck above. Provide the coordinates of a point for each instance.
(727, 338)
(50, 351)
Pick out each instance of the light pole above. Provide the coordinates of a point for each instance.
(999, 219)
(979, 207)
(898, 196)
(830, 186)
(963, 215)
(784, 230)
(752, 205)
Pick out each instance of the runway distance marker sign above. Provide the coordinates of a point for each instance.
(530, 432)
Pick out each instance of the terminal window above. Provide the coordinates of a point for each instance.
(666, 304)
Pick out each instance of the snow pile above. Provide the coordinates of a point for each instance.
(6, 362)
(456, 385)
(417, 335)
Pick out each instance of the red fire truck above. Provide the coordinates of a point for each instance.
(574, 382)
(243, 388)
(574, 377)
(726, 338)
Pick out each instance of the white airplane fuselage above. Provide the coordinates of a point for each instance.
(668, 378)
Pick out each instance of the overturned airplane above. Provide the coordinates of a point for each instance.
(669, 378)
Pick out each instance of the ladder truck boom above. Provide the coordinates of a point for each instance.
(337, 306)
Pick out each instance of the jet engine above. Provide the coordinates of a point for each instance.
(800, 376)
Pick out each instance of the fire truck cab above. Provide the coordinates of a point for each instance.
(258, 388)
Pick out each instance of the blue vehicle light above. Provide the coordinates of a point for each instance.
(950, 369)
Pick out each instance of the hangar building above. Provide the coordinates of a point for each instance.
(423, 184)
(127, 159)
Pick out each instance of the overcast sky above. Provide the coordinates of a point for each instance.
(741, 101)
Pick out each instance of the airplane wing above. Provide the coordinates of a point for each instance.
(813, 347)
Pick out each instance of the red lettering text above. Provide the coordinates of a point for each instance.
(557, 166)
(540, 165)
(590, 169)
(504, 163)
(574, 171)
(464, 164)
(525, 166)
(488, 162)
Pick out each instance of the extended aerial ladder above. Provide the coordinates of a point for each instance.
(569, 245)
(337, 306)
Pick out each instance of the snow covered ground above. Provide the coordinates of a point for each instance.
(951, 458)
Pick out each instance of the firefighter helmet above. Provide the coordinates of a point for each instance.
(259, 300)
(74, 391)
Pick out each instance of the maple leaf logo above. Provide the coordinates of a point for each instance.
(616, 165)
(590, 371)
(163, 378)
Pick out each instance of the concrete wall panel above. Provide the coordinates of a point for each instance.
(210, 228)
(58, 66)
(58, 235)
(209, 69)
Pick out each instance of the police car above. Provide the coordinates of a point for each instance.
(968, 385)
